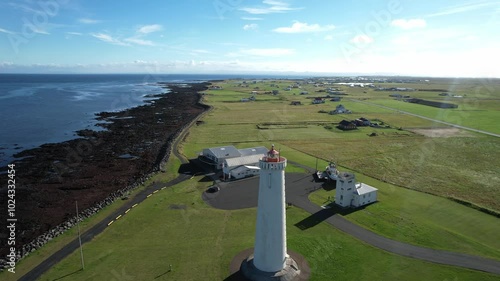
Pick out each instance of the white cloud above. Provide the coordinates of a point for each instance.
(150, 28)
(270, 52)
(362, 39)
(109, 39)
(74, 33)
(403, 40)
(88, 21)
(464, 8)
(302, 27)
(269, 7)
(6, 31)
(139, 41)
(328, 38)
(38, 30)
(409, 24)
(251, 26)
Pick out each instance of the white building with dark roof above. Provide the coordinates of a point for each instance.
(349, 193)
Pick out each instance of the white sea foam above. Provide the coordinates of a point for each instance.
(21, 92)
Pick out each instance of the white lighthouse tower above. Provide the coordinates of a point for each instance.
(270, 260)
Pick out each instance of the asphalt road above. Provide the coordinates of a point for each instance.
(244, 194)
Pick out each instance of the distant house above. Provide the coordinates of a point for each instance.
(295, 103)
(347, 125)
(340, 109)
(215, 87)
(336, 99)
(318, 101)
(304, 93)
(351, 194)
(363, 122)
(275, 92)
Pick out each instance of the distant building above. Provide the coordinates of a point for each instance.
(340, 109)
(318, 100)
(351, 194)
(362, 122)
(295, 103)
(347, 125)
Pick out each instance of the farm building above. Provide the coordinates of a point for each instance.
(318, 100)
(347, 125)
(432, 103)
(362, 122)
(340, 109)
(349, 193)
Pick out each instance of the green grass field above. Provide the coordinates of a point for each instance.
(200, 242)
(175, 227)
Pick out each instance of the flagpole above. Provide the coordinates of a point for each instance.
(79, 236)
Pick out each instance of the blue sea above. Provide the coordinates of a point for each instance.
(48, 108)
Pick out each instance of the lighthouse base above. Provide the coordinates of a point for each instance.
(241, 262)
(291, 271)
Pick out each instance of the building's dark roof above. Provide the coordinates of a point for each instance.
(346, 123)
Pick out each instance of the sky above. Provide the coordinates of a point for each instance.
(447, 38)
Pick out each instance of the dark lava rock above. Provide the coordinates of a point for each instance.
(89, 169)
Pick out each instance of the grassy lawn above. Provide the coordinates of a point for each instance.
(175, 227)
(424, 220)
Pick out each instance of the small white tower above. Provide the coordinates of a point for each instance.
(345, 188)
(270, 260)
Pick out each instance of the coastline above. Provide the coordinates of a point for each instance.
(100, 166)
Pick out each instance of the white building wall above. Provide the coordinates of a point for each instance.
(344, 192)
(270, 239)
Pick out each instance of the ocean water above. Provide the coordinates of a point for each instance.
(36, 108)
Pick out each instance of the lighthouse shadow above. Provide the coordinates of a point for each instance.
(323, 215)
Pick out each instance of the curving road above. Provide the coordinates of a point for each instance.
(430, 119)
(244, 194)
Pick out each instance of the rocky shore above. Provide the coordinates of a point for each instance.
(97, 168)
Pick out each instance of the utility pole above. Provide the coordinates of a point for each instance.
(79, 236)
